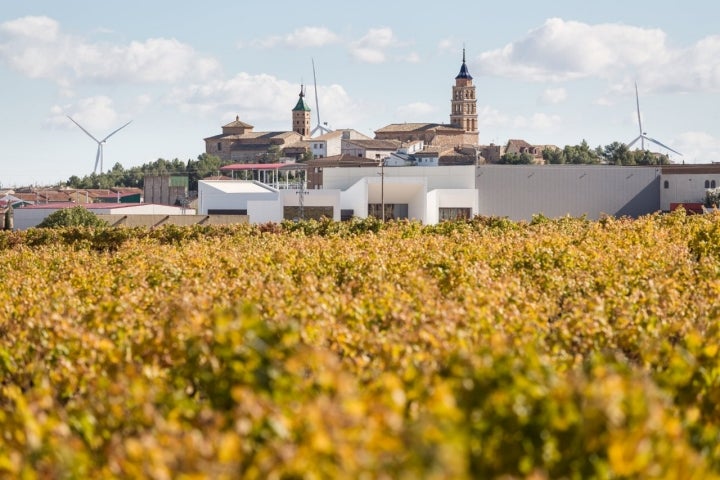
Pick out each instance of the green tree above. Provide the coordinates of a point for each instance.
(646, 157)
(580, 154)
(205, 166)
(272, 155)
(553, 156)
(307, 156)
(72, 217)
(515, 158)
(617, 153)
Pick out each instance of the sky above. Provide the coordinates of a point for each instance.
(549, 72)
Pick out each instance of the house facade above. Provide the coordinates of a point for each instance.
(331, 144)
(687, 184)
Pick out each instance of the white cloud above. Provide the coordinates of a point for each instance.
(96, 114)
(543, 121)
(418, 111)
(413, 57)
(368, 55)
(304, 37)
(562, 50)
(371, 47)
(553, 96)
(262, 100)
(36, 47)
(447, 45)
(492, 117)
(537, 121)
(697, 147)
(489, 117)
(37, 28)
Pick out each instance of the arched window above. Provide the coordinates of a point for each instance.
(712, 184)
(666, 184)
(707, 183)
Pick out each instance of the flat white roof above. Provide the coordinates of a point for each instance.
(238, 186)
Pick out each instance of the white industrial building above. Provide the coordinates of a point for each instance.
(262, 203)
(435, 193)
(427, 194)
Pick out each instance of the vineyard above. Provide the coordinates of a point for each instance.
(485, 348)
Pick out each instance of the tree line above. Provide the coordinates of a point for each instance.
(616, 153)
(118, 176)
(207, 165)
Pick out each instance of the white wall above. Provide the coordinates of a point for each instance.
(520, 191)
(334, 146)
(314, 198)
(455, 176)
(24, 218)
(685, 188)
(433, 204)
(403, 190)
(450, 198)
(261, 211)
(214, 198)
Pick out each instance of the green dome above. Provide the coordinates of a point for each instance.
(301, 106)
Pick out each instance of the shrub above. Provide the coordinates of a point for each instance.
(72, 217)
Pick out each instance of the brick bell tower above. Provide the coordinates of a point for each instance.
(463, 105)
(301, 115)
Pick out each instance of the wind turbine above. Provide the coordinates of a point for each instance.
(99, 155)
(323, 129)
(643, 136)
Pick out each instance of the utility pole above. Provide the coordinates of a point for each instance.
(301, 201)
(301, 196)
(382, 188)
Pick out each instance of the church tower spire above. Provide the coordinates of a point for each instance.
(463, 106)
(301, 115)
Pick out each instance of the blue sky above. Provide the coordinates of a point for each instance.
(553, 72)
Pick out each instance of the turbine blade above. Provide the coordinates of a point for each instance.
(637, 102)
(663, 145)
(634, 142)
(317, 103)
(97, 158)
(81, 128)
(115, 131)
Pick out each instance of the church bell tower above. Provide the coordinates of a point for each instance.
(301, 115)
(463, 105)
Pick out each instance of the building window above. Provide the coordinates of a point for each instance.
(219, 146)
(707, 183)
(395, 211)
(446, 214)
(666, 184)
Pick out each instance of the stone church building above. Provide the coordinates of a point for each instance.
(239, 143)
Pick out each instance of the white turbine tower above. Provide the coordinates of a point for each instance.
(99, 155)
(323, 128)
(643, 136)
